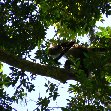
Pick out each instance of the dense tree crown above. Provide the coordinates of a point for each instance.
(23, 28)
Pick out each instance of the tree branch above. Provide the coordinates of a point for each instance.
(44, 70)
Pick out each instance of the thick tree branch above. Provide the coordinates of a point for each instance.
(43, 70)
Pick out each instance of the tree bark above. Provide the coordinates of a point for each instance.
(36, 69)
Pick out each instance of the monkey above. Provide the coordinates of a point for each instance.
(68, 49)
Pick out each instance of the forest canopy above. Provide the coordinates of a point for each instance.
(23, 28)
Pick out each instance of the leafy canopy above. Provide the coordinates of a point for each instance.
(23, 26)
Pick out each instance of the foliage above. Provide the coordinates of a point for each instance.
(43, 103)
(23, 26)
(20, 26)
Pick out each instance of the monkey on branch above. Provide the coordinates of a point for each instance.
(68, 49)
